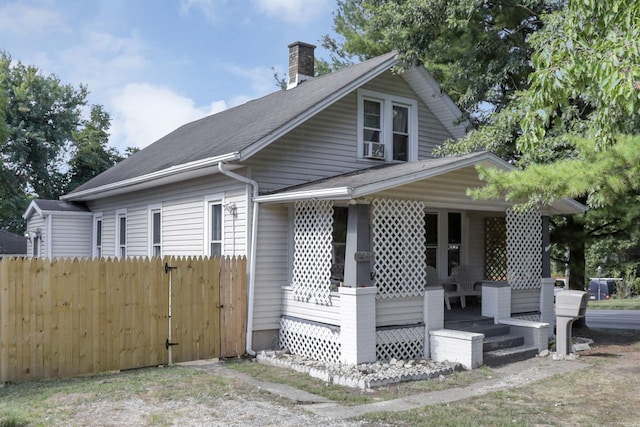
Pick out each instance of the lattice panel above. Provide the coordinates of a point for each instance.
(313, 341)
(313, 226)
(495, 248)
(532, 317)
(400, 343)
(524, 248)
(399, 248)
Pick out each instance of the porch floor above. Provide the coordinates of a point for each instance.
(473, 311)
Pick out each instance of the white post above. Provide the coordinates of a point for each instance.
(496, 300)
(547, 310)
(358, 324)
(433, 314)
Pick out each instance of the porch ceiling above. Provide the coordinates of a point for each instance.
(439, 182)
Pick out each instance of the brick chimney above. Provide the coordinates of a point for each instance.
(301, 63)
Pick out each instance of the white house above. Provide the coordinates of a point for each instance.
(331, 191)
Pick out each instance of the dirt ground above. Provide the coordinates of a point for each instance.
(615, 357)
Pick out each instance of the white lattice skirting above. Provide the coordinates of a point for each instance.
(310, 340)
(400, 343)
(534, 317)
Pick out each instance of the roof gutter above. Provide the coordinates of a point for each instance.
(171, 174)
(251, 267)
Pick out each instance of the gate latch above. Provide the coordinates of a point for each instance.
(168, 344)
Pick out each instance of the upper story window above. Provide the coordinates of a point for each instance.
(121, 233)
(155, 231)
(387, 127)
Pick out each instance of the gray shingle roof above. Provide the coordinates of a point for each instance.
(60, 206)
(235, 129)
(12, 244)
(387, 172)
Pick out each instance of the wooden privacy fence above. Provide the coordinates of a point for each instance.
(66, 317)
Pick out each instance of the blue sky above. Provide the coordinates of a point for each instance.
(157, 64)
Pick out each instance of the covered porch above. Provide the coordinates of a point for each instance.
(362, 246)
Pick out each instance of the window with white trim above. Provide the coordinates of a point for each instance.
(121, 233)
(214, 225)
(97, 235)
(444, 238)
(387, 127)
(155, 231)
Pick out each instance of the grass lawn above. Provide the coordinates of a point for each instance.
(604, 393)
(57, 402)
(616, 304)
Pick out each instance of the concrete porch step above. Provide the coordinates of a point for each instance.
(509, 355)
(488, 328)
(501, 342)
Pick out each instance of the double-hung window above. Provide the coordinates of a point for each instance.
(155, 231)
(97, 235)
(121, 233)
(387, 127)
(444, 240)
(214, 226)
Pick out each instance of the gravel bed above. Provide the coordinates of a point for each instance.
(363, 376)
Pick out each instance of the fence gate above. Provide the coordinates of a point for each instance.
(65, 317)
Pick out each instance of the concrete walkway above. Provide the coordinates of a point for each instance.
(510, 376)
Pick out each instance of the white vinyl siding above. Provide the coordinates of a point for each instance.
(71, 235)
(272, 266)
(182, 217)
(327, 145)
(525, 300)
(399, 311)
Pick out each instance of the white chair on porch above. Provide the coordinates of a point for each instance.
(433, 279)
(464, 284)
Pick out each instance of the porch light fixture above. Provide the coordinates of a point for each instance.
(34, 235)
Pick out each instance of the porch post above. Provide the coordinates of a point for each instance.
(358, 324)
(547, 310)
(546, 247)
(433, 314)
(496, 300)
(357, 266)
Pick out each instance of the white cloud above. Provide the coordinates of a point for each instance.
(142, 113)
(298, 12)
(104, 61)
(209, 8)
(20, 20)
(259, 79)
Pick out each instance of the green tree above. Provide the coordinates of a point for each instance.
(41, 128)
(91, 153)
(478, 50)
(577, 124)
(41, 116)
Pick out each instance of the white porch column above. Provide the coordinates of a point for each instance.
(547, 310)
(496, 300)
(358, 324)
(433, 314)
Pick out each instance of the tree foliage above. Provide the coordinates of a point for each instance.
(579, 118)
(91, 153)
(478, 50)
(46, 147)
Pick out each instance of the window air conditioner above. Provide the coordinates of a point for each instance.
(374, 150)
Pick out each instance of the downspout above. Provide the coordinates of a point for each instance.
(251, 268)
